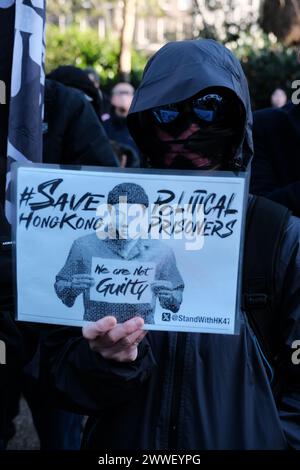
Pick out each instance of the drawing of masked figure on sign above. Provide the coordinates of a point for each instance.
(119, 274)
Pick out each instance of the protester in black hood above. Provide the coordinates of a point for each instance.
(75, 77)
(219, 91)
(72, 134)
(180, 391)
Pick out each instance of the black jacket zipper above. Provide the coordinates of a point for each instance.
(178, 372)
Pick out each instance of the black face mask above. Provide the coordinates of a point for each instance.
(120, 120)
(215, 144)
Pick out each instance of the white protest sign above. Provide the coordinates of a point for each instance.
(121, 281)
(176, 261)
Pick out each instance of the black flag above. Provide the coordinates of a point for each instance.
(26, 93)
(7, 28)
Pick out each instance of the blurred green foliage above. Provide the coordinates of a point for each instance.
(267, 64)
(270, 67)
(84, 49)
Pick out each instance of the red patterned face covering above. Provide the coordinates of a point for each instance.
(177, 155)
(197, 148)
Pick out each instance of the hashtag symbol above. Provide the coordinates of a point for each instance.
(26, 196)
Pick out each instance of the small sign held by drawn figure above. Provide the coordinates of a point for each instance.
(122, 282)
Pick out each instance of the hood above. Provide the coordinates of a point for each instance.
(72, 76)
(181, 69)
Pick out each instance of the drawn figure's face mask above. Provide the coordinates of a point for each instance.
(124, 238)
(202, 132)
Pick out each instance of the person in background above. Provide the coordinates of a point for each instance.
(121, 98)
(116, 125)
(72, 133)
(74, 77)
(278, 98)
(276, 164)
(95, 78)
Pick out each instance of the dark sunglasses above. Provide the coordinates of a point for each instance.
(210, 109)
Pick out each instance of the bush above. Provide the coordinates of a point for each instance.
(270, 69)
(268, 65)
(84, 49)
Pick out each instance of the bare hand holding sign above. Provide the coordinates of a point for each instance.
(118, 342)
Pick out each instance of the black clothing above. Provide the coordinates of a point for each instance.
(276, 162)
(72, 132)
(117, 130)
(185, 390)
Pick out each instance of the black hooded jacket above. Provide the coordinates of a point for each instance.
(117, 130)
(74, 77)
(72, 133)
(180, 70)
(186, 390)
(11, 344)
